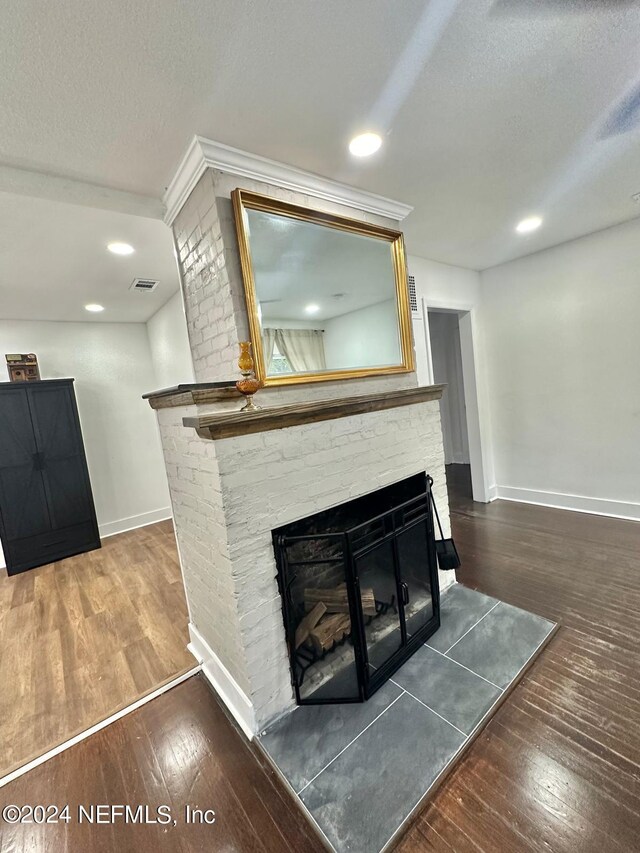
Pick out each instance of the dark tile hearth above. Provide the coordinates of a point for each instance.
(500, 644)
(451, 690)
(306, 742)
(361, 798)
(460, 609)
(361, 769)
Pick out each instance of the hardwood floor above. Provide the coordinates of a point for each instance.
(84, 637)
(178, 750)
(558, 768)
(555, 771)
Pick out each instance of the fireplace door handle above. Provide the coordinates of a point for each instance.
(405, 593)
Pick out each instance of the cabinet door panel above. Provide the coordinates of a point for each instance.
(64, 481)
(55, 425)
(23, 502)
(22, 495)
(17, 442)
(57, 432)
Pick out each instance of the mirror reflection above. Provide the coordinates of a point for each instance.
(326, 299)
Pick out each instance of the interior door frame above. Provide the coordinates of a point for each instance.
(476, 430)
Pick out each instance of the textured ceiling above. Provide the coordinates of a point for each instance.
(54, 260)
(491, 110)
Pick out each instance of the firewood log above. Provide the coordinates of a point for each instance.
(308, 622)
(368, 602)
(329, 630)
(336, 600)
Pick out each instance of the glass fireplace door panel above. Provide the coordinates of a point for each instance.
(413, 548)
(321, 649)
(379, 596)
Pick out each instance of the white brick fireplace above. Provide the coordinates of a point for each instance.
(229, 493)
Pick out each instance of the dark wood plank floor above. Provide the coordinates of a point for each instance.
(557, 769)
(178, 750)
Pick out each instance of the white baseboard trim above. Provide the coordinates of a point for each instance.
(627, 510)
(492, 493)
(110, 528)
(98, 726)
(223, 683)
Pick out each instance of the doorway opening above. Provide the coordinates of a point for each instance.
(446, 355)
(452, 362)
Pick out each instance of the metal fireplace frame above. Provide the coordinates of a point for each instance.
(356, 542)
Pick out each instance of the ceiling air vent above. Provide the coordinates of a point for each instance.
(413, 297)
(145, 285)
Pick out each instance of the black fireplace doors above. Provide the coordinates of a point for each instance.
(359, 588)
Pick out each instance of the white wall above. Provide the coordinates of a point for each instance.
(440, 283)
(169, 344)
(562, 343)
(447, 369)
(111, 363)
(454, 288)
(368, 336)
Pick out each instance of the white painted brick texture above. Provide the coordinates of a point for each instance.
(201, 531)
(272, 478)
(210, 306)
(229, 495)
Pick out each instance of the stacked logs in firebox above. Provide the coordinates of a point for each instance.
(327, 618)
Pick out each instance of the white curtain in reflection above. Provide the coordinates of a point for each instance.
(303, 348)
(268, 344)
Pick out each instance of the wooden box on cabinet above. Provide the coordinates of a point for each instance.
(22, 367)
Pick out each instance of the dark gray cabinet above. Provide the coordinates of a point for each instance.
(46, 505)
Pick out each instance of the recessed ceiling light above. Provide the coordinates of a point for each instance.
(312, 308)
(120, 248)
(529, 224)
(94, 307)
(365, 144)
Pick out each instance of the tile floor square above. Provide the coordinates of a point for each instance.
(372, 787)
(460, 609)
(458, 695)
(499, 646)
(303, 742)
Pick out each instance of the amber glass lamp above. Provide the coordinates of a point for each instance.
(248, 385)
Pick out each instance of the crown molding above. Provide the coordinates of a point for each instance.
(203, 153)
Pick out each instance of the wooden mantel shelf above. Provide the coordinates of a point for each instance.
(228, 424)
(198, 392)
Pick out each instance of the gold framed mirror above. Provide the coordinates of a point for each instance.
(326, 296)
